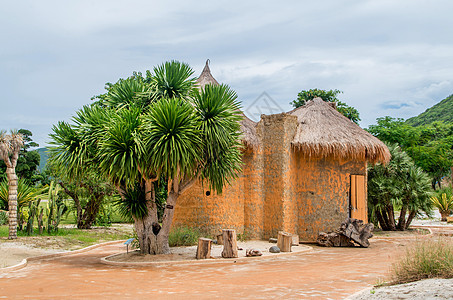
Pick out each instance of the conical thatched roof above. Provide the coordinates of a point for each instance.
(206, 77)
(323, 131)
(248, 127)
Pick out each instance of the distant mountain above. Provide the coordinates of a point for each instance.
(43, 154)
(442, 111)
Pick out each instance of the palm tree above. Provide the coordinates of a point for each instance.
(399, 184)
(10, 146)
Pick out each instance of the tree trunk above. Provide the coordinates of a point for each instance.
(88, 217)
(12, 202)
(381, 220)
(412, 214)
(402, 218)
(167, 219)
(284, 241)
(204, 248)
(391, 216)
(230, 247)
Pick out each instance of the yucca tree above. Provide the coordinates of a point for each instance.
(180, 136)
(10, 145)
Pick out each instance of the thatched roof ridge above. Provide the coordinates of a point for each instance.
(323, 131)
(206, 77)
(248, 127)
(248, 132)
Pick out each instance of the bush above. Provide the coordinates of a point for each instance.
(183, 236)
(425, 259)
(3, 217)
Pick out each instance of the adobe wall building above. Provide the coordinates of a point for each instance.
(304, 171)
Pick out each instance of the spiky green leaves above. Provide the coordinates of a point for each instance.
(173, 138)
(173, 80)
(219, 114)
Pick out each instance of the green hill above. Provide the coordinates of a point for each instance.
(442, 111)
(43, 154)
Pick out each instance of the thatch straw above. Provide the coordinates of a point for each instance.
(206, 77)
(248, 127)
(248, 130)
(323, 131)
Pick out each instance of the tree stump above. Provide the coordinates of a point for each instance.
(284, 241)
(204, 248)
(230, 246)
(220, 239)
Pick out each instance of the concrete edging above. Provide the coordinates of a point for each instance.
(104, 260)
(25, 261)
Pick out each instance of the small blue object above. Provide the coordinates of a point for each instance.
(129, 241)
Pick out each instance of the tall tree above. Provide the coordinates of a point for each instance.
(167, 130)
(329, 96)
(10, 145)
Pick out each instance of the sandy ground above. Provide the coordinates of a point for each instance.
(189, 253)
(13, 253)
(424, 289)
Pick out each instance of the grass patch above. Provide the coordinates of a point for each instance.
(70, 238)
(184, 236)
(425, 259)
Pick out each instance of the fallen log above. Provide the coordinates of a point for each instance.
(351, 232)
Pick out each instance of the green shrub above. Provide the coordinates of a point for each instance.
(425, 259)
(183, 236)
(3, 217)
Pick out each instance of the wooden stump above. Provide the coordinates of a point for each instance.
(284, 241)
(204, 248)
(295, 240)
(230, 246)
(220, 239)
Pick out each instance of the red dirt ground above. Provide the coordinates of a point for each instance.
(324, 273)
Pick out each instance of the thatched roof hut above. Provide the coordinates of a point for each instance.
(323, 131)
(206, 77)
(248, 127)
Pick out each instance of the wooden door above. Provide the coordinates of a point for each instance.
(358, 204)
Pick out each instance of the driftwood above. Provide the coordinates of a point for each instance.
(284, 241)
(230, 247)
(204, 248)
(351, 232)
(253, 252)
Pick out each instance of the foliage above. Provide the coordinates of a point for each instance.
(132, 203)
(3, 217)
(430, 146)
(425, 259)
(25, 193)
(28, 161)
(442, 111)
(329, 96)
(398, 185)
(444, 203)
(184, 236)
(176, 136)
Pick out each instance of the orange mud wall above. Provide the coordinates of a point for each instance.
(239, 207)
(279, 189)
(321, 188)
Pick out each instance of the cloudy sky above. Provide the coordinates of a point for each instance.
(388, 57)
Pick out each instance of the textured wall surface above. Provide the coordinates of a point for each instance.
(279, 189)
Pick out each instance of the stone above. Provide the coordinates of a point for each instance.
(272, 240)
(274, 249)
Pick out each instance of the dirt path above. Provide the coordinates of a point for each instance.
(325, 273)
